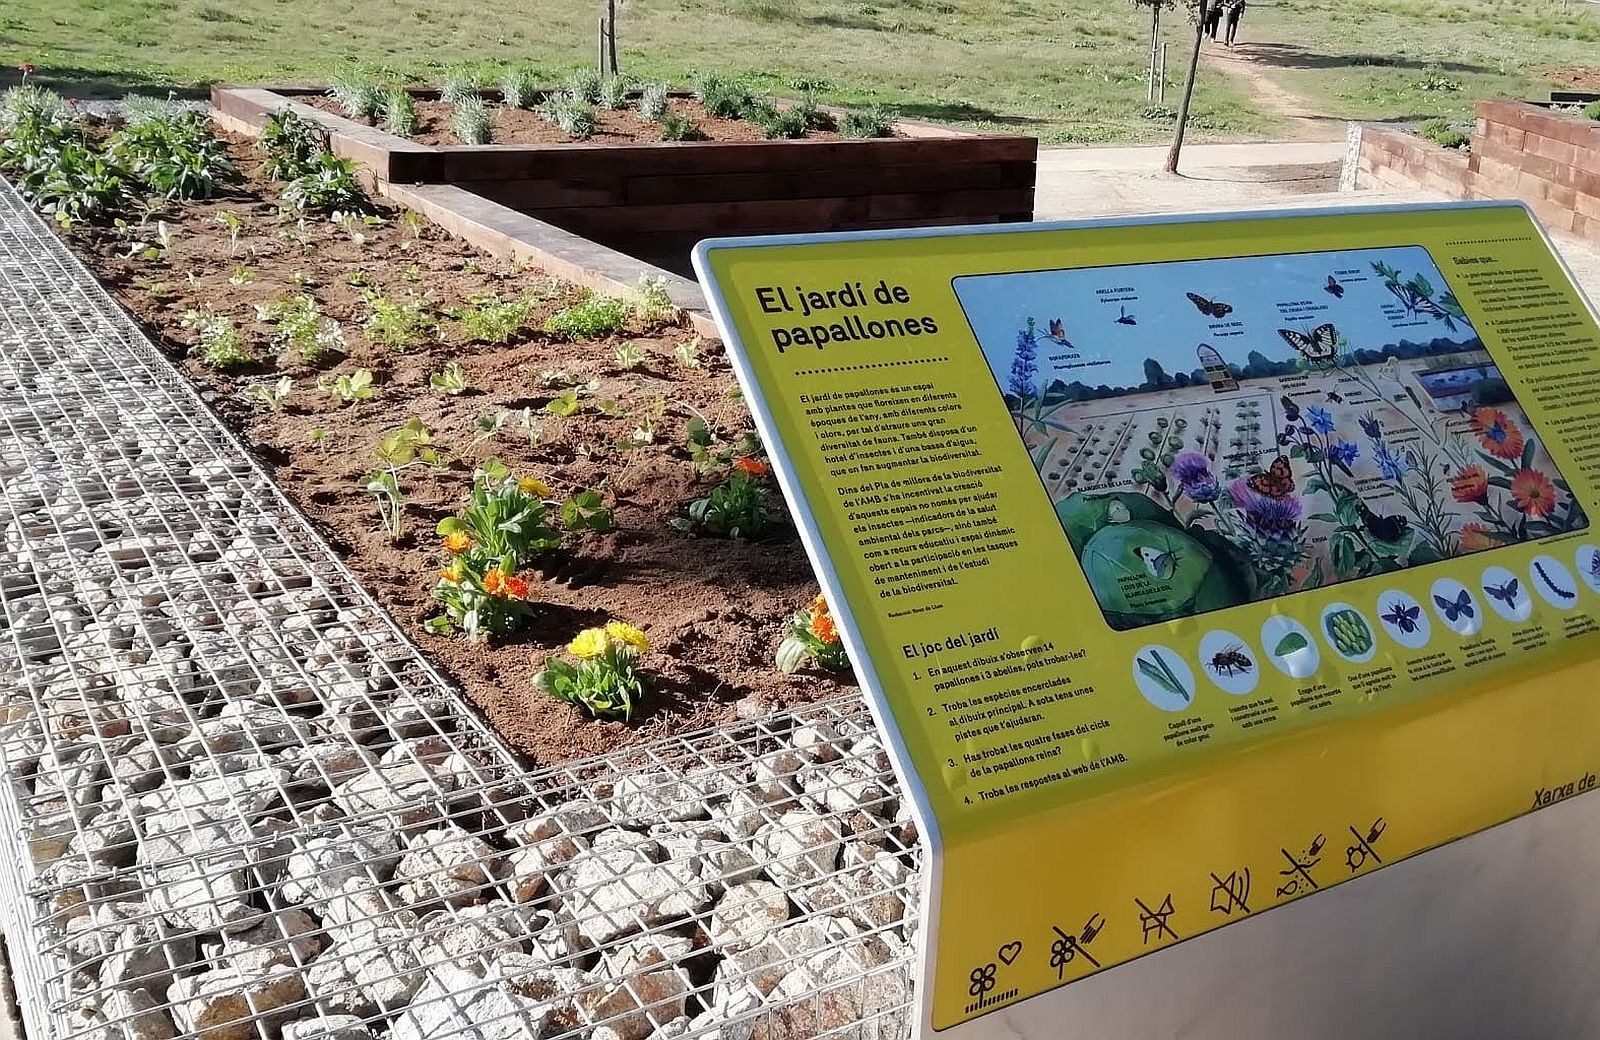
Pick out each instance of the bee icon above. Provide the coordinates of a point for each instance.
(1230, 659)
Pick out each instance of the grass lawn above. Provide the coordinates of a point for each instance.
(1065, 70)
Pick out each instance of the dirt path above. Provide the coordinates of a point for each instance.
(1243, 61)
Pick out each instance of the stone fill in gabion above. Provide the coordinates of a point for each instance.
(243, 806)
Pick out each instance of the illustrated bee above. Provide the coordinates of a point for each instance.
(1230, 659)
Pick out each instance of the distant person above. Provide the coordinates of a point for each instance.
(1213, 16)
(1235, 12)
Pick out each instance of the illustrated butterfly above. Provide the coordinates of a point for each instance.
(1161, 565)
(1402, 617)
(1335, 398)
(1383, 528)
(1506, 593)
(1459, 607)
(1321, 348)
(1277, 481)
(1126, 318)
(1058, 332)
(1210, 308)
(1334, 287)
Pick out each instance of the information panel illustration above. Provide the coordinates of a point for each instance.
(1342, 420)
(1190, 566)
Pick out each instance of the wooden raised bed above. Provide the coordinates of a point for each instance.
(656, 200)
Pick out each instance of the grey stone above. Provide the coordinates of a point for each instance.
(408, 793)
(611, 894)
(455, 1006)
(798, 848)
(225, 1005)
(136, 1015)
(446, 865)
(817, 741)
(327, 1027)
(284, 938)
(748, 913)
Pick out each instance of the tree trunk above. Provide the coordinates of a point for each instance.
(1188, 89)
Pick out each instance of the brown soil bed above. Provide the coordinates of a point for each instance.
(714, 608)
(1577, 77)
(612, 126)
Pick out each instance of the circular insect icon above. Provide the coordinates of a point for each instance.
(1554, 583)
(1163, 678)
(1589, 566)
(1404, 619)
(1348, 632)
(1229, 662)
(1456, 608)
(1289, 646)
(1506, 594)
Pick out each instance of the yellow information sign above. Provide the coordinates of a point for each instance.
(1191, 565)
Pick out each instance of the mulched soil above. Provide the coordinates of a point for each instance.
(612, 126)
(714, 608)
(1577, 77)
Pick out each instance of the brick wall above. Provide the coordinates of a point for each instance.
(1547, 159)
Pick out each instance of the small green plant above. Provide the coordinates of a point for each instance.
(564, 404)
(356, 225)
(606, 682)
(644, 430)
(816, 117)
(241, 275)
(396, 451)
(356, 279)
(488, 424)
(233, 225)
(217, 339)
(302, 328)
(154, 248)
(585, 85)
(874, 122)
(399, 112)
(329, 185)
(1438, 82)
(318, 436)
(654, 101)
(812, 636)
(711, 454)
(357, 96)
(57, 167)
(177, 156)
(489, 319)
(291, 144)
(571, 113)
(449, 380)
(1445, 134)
(613, 92)
(348, 387)
(397, 324)
(459, 83)
(1592, 110)
(687, 353)
(723, 97)
(596, 316)
(736, 508)
(519, 87)
(27, 106)
(586, 511)
(531, 427)
(680, 128)
(788, 124)
(270, 395)
(471, 120)
(629, 356)
(651, 302)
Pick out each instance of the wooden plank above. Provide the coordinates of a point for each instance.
(652, 188)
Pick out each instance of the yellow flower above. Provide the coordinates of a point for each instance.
(534, 486)
(457, 542)
(451, 573)
(588, 644)
(623, 632)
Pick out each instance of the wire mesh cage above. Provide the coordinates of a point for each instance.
(243, 804)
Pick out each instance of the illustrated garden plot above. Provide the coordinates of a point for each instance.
(1218, 432)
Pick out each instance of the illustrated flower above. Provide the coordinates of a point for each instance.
(823, 628)
(457, 542)
(627, 634)
(1192, 472)
(1533, 492)
(752, 467)
(1266, 517)
(451, 573)
(1392, 466)
(1497, 433)
(534, 486)
(1476, 538)
(1319, 419)
(1342, 454)
(1370, 426)
(1470, 485)
(588, 644)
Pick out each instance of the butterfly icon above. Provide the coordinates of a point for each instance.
(1334, 287)
(1321, 348)
(1125, 318)
(1335, 398)
(1210, 308)
(1277, 481)
(1384, 528)
(1402, 617)
(1506, 593)
(1058, 332)
(1161, 565)
(1460, 607)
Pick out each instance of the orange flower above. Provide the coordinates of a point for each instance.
(1470, 485)
(494, 583)
(752, 467)
(823, 628)
(1497, 433)
(451, 573)
(457, 542)
(516, 588)
(1534, 493)
(1476, 538)
(820, 604)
